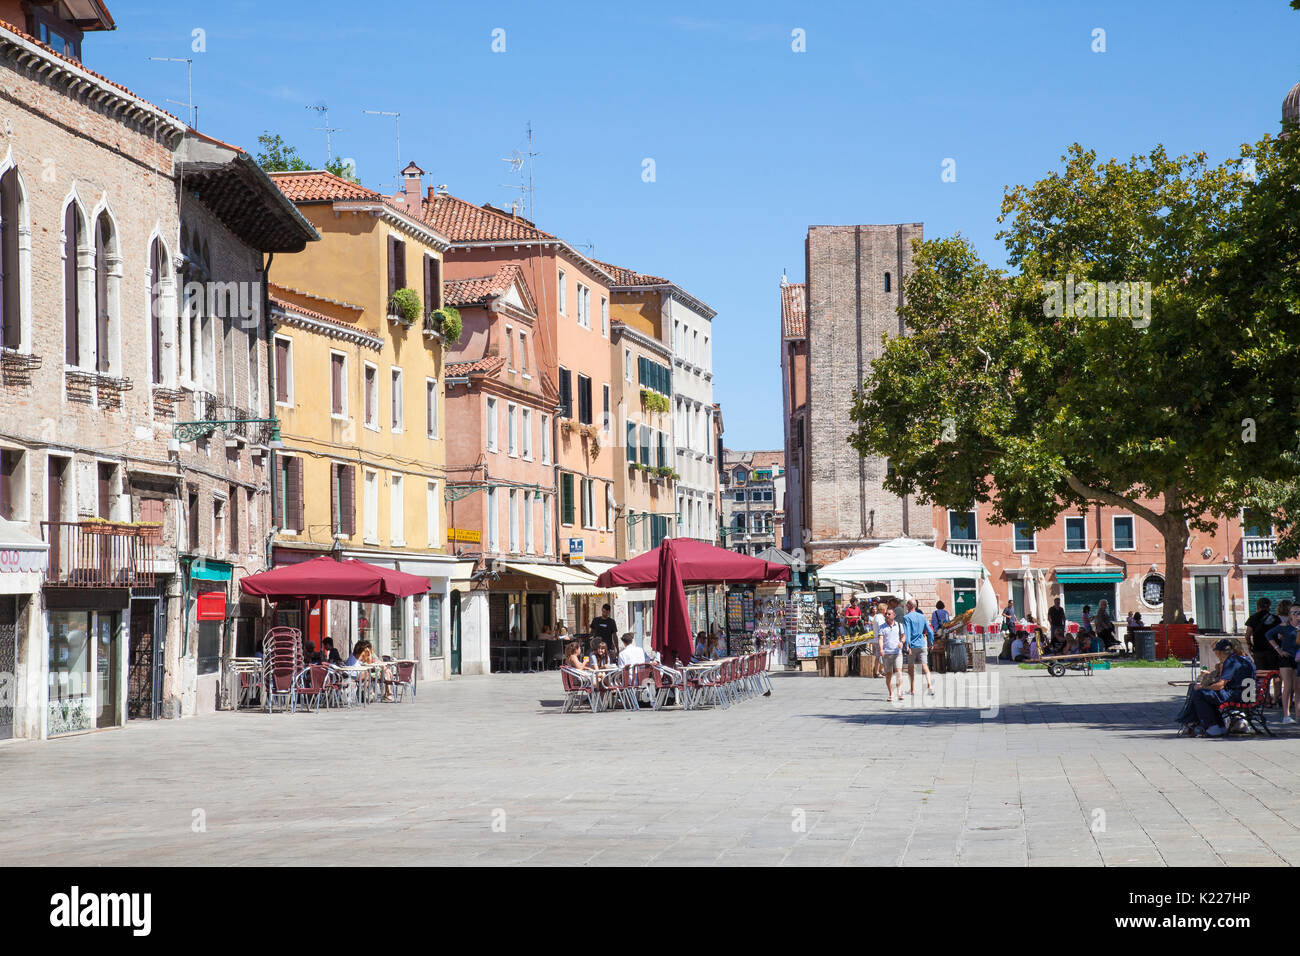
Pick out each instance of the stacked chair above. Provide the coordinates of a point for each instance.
(281, 664)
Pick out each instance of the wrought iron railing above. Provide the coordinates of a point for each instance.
(90, 554)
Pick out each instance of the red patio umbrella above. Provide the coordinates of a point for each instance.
(672, 627)
(697, 563)
(327, 578)
(397, 583)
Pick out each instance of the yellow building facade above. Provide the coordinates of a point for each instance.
(357, 369)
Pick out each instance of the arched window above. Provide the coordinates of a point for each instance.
(73, 240)
(155, 309)
(11, 320)
(887, 282)
(107, 273)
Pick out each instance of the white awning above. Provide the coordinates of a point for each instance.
(558, 573)
(903, 559)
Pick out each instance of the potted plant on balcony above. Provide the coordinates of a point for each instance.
(445, 322)
(404, 306)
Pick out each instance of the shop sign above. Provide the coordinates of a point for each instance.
(464, 534)
(212, 606)
(575, 551)
(14, 561)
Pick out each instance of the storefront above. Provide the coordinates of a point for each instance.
(85, 674)
(23, 561)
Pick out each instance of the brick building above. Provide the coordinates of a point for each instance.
(852, 295)
(133, 302)
(753, 497)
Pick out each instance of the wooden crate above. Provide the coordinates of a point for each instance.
(977, 659)
(841, 665)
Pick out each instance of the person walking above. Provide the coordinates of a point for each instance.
(939, 618)
(916, 630)
(1285, 639)
(1257, 627)
(889, 648)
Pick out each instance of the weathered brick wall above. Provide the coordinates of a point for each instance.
(848, 311)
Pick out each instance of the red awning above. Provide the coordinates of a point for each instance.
(326, 578)
(697, 563)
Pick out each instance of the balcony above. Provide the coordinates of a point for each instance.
(100, 554)
(964, 548)
(1257, 548)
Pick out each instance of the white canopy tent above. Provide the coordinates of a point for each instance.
(903, 559)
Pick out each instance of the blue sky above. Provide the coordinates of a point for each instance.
(752, 142)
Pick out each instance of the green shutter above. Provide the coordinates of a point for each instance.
(631, 442)
(566, 499)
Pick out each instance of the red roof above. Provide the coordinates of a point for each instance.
(317, 185)
(626, 277)
(462, 221)
(794, 323)
(489, 365)
(461, 292)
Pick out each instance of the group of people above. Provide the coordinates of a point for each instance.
(910, 636)
(1029, 640)
(1274, 642)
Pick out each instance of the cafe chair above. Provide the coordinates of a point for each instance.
(579, 686)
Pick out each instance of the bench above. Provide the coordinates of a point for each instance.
(1251, 712)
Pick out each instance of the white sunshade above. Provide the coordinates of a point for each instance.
(903, 559)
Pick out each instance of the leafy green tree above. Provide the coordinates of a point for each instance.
(1006, 393)
(276, 156)
(342, 170)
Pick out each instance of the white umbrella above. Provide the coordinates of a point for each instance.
(986, 605)
(1044, 599)
(1031, 596)
(903, 559)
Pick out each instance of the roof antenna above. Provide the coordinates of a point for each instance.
(517, 162)
(189, 86)
(325, 112)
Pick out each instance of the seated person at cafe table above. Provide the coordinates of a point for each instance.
(331, 656)
(601, 655)
(630, 654)
(367, 656)
(574, 658)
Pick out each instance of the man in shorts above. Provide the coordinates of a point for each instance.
(889, 648)
(919, 637)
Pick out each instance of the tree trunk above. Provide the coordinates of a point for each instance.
(1174, 532)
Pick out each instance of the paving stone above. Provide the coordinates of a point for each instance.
(474, 771)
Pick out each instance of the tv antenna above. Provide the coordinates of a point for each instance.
(325, 114)
(189, 86)
(397, 134)
(522, 163)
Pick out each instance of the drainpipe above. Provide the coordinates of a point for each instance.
(270, 378)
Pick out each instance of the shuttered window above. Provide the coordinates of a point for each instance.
(631, 442)
(566, 498)
(283, 369)
(396, 265)
(232, 521)
(338, 384)
(584, 399)
(566, 393)
(296, 521)
(343, 500)
(103, 242)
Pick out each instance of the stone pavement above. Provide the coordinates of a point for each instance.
(485, 770)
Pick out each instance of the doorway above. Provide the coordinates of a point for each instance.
(142, 659)
(455, 632)
(8, 662)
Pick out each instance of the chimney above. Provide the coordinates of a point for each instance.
(411, 188)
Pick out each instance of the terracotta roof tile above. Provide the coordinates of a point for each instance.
(626, 277)
(462, 221)
(5, 25)
(794, 323)
(461, 292)
(317, 185)
(314, 314)
(489, 365)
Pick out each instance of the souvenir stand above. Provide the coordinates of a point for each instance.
(907, 559)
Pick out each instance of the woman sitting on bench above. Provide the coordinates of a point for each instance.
(1200, 714)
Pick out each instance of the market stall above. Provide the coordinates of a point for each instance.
(900, 561)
